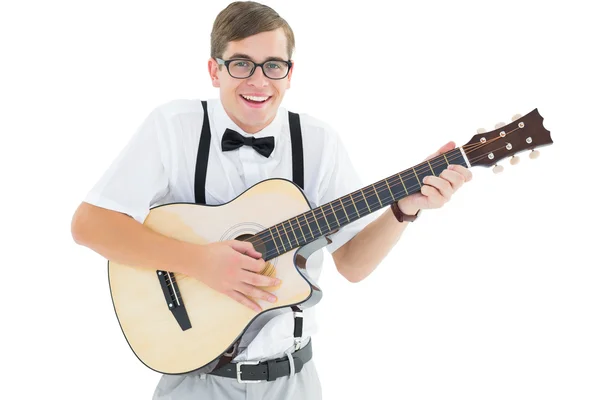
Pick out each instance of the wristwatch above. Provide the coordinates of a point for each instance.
(400, 216)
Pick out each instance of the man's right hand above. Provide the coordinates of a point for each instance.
(232, 267)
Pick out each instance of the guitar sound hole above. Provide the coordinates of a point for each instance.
(257, 243)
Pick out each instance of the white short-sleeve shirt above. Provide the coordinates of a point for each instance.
(158, 167)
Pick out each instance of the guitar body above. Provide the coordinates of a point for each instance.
(213, 322)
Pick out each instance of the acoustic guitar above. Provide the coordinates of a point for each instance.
(176, 324)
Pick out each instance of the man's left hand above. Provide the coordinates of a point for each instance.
(437, 190)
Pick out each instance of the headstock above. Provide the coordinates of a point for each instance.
(523, 133)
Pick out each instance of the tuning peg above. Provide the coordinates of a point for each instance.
(498, 168)
(481, 130)
(534, 154)
(499, 125)
(516, 117)
(514, 160)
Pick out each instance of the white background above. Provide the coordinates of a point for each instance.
(494, 296)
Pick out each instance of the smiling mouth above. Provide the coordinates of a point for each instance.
(255, 99)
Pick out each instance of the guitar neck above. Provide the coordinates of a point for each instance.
(330, 217)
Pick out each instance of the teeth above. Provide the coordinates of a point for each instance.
(254, 98)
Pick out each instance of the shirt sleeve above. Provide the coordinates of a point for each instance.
(341, 179)
(138, 177)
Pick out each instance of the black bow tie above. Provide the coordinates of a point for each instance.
(233, 140)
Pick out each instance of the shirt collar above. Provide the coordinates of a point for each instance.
(222, 121)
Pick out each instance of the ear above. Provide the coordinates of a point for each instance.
(289, 77)
(213, 71)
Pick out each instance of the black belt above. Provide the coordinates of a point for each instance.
(254, 371)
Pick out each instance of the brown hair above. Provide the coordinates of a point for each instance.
(242, 19)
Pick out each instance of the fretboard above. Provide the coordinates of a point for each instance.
(330, 217)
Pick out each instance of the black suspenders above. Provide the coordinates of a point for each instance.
(298, 178)
(202, 159)
(297, 153)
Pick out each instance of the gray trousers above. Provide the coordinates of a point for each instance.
(304, 385)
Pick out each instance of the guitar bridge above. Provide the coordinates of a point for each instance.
(173, 299)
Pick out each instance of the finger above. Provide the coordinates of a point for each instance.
(240, 298)
(253, 265)
(257, 293)
(462, 170)
(258, 280)
(434, 197)
(443, 186)
(245, 248)
(455, 178)
(447, 147)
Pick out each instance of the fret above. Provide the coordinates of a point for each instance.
(447, 163)
(392, 195)
(316, 222)
(312, 233)
(422, 171)
(360, 203)
(377, 194)
(325, 219)
(403, 184)
(340, 211)
(301, 230)
(333, 212)
(281, 238)
(293, 231)
(396, 187)
(417, 176)
(364, 197)
(274, 242)
(412, 182)
(330, 217)
(383, 193)
(439, 165)
(428, 163)
(286, 234)
(355, 207)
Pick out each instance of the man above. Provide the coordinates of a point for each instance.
(178, 155)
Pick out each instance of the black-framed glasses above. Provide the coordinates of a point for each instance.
(240, 68)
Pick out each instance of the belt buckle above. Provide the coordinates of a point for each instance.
(238, 371)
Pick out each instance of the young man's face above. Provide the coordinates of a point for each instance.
(251, 115)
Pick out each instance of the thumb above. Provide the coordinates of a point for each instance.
(447, 147)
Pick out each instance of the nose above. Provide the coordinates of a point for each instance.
(258, 78)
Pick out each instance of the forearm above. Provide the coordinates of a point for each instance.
(120, 238)
(363, 253)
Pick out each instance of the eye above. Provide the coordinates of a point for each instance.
(242, 64)
(273, 65)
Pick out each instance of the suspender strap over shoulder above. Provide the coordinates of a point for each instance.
(297, 153)
(202, 159)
